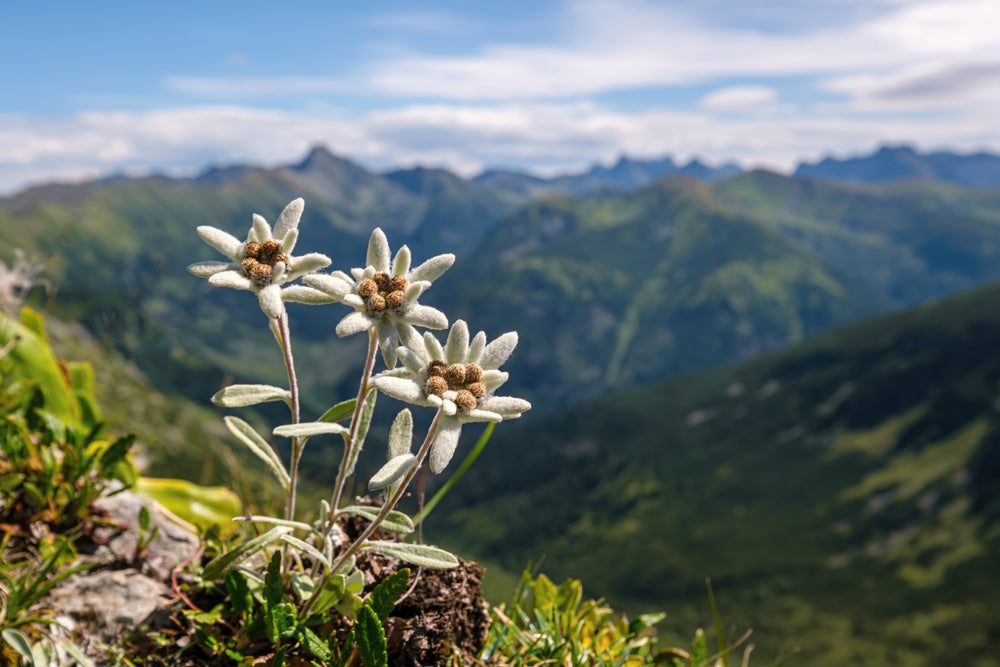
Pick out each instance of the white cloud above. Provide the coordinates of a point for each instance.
(243, 87)
(545, 137)
(739, 98)
(616, 45)
(924, 86)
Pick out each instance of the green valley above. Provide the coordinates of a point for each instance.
(842, 494)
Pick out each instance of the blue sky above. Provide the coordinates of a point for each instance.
(105, 87)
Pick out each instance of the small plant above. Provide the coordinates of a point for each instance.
(287, 586)
(54, 463)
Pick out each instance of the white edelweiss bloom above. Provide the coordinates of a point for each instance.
(264, 262)
(384, 295)
(459, 378)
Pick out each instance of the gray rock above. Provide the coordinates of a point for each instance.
(175, 541)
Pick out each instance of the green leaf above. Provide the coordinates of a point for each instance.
(240, 597)
(284, 618)
(699, 648)
(18, 642)
(418, 554)
(274, 585)
(383, 598)
(342, 653)
(340, 411)
(203, 506)
(393, 471)
(371, 639)
(258, 518)
(307, 548)
(242, 395)
(313, 643)
(395, 521)
(144, 519)
(117, 451)
(219, 564)
(401, 434)
(258, 446)
(308, 429)
(331, 594)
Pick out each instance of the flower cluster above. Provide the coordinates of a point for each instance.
(384, 295)
(264, 262)
(459, 379)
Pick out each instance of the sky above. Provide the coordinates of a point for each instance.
(93, 89)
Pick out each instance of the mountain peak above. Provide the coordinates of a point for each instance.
(901, 162)
(318, 156)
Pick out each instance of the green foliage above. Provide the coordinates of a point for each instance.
(860, 466)
(547, 624)
(54, 461)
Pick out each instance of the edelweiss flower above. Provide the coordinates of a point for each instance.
(459, 379)
(384, 298)
(264, 262)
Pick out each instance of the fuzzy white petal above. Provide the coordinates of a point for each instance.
(261, 230)
(457, 347)
(434, 348)
(354, 301)
(412, 362)
(289, 218)
(303, 294)
(288, 243)
(508, 406)
(401, 264)
(359, 274)
(227, 244)
(444, 445)
(378, 251)
(425, 316)
(270, 301)
(415, 289)
(480, 415)
(207, 269)
(336, 286)
(499, 350)
(403, 389)
(387, 342)
(278, 273)
(408, 336)
(494, 379)
(432, 269)
(231, 278)
(476, 348)
(313, 261)
(449, 407)
(354, 323)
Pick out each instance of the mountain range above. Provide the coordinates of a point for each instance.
(895, 163)
(841, 492)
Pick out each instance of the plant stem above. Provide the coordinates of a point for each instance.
(389, 505)
(285, 340)
(392, 502)
(338, 487)
(284, 335)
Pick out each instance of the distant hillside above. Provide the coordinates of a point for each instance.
(625, 175)
(844, 494)
(617, 290)
(614, 289)
(118, 250)
(895, 163)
